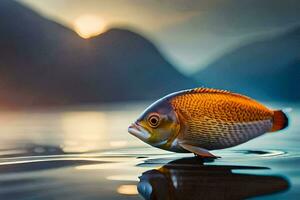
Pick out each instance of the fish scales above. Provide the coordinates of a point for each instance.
(222, 119)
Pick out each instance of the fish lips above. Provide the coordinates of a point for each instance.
(138, 131)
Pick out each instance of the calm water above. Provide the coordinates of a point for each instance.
(86, 153)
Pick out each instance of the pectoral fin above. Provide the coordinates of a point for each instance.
(198, 151)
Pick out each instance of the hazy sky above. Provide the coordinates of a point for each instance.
(190, 33)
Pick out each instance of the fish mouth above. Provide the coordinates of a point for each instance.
(138, 131)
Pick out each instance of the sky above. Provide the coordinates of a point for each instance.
(191, 34)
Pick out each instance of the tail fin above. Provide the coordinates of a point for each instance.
(280, 120)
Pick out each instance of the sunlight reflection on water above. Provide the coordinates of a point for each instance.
(83, 126)
(79, 131)
(127, 189)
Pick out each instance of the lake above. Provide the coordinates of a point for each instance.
(86, 153)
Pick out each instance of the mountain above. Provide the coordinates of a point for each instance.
(268, 69)
(44, 63)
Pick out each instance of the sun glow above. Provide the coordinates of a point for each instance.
(88, 26)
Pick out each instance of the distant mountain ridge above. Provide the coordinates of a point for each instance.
(267, 69)
(44, 63)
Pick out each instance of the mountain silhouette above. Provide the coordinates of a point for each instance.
(44, 63)
(268, 69)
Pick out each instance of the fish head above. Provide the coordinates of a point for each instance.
(157, 125)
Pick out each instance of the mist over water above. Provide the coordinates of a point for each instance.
(86, 153)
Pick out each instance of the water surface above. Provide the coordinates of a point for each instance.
(86, 153)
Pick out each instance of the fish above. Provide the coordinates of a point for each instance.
(200, 120)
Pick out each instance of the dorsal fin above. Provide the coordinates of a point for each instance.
(215, 91)
(208, 90)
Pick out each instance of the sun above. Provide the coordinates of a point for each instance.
(87, 26)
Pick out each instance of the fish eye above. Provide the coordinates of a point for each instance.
(154, 120)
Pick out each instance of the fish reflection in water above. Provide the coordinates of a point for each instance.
(188, 178)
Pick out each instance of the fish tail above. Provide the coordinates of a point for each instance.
(280, 120)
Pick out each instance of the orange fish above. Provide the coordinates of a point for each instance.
(201, 119)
